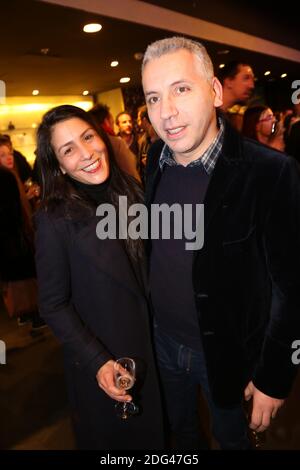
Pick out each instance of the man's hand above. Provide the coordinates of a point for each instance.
(263, 408)
(106, 381)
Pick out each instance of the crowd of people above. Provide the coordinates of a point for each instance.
(222, 317)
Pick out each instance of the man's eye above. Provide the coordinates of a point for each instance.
(181, 89)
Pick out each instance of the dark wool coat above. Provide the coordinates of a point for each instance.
(90, 297)
(246, 278)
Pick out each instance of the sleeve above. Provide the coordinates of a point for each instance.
(55, 298)
(275, 370)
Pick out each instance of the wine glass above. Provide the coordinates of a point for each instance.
(124, 371)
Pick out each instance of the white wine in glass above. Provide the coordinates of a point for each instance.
(124, 370)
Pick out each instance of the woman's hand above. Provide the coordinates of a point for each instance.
(106, 380)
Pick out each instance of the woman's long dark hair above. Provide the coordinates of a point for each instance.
(57, 190)
(250, 120)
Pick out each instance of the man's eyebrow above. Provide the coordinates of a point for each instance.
(177, 82)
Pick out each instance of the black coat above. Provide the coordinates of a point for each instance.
(90, 297)
(246, 277)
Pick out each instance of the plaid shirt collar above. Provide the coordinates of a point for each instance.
(208, 159)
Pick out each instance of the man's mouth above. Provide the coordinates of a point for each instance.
(175, 131)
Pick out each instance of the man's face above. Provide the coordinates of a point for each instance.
(125, 124)
(242, 85)
(181, 103)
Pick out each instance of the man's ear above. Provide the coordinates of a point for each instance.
(218, 91)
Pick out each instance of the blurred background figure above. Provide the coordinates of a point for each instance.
(237, 79)
(23, 168)
(260, 124)
(17, 267)
(124, 122)
(16, 163)
(126, 160)
(147, 138)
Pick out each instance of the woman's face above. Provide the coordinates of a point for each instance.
(80, 151)
(266, 122)
(6, 157)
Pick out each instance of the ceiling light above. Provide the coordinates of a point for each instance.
(92, 28)
(221, 66)
(267, 72)
(283, 75)
(85, 92)
(114, 63)
(35, 92)
(138, 55)
(124, 80)
(34, 125)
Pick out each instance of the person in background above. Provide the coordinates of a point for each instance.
(92, 291)
(148, 137)
(237, 79)
(124, 156)
(226, 309)
(23, 168)
(124, 122)
(260, 123)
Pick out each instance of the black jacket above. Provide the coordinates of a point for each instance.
(246, 277)
(90, 297)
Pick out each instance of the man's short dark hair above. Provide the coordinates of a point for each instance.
(100, 112)
(230, 70)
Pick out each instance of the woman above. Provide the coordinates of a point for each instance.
(92, 291)
(17, 268)
(259, 123)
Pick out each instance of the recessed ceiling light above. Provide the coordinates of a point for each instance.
(283, 75)
(92, 28)
(85, 92)
(35, 92)
(114, 63)
(267, 72)
(223, 51)
(221, 66)
(138, 55)
(34, 125)
(124, 80)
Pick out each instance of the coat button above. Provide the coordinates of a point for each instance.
(201, 295)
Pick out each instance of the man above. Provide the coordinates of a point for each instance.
(125, 125)
(148, 137)
(237, 79)
(125, 158)
(225, 315)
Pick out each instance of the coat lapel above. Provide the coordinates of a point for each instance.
(109, 256)
(226, 170)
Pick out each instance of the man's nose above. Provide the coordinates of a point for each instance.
(168, 108)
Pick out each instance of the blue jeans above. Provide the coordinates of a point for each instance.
(182, 370)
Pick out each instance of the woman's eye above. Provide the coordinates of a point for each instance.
(153, 100)
(68, 151)
(89, 136)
